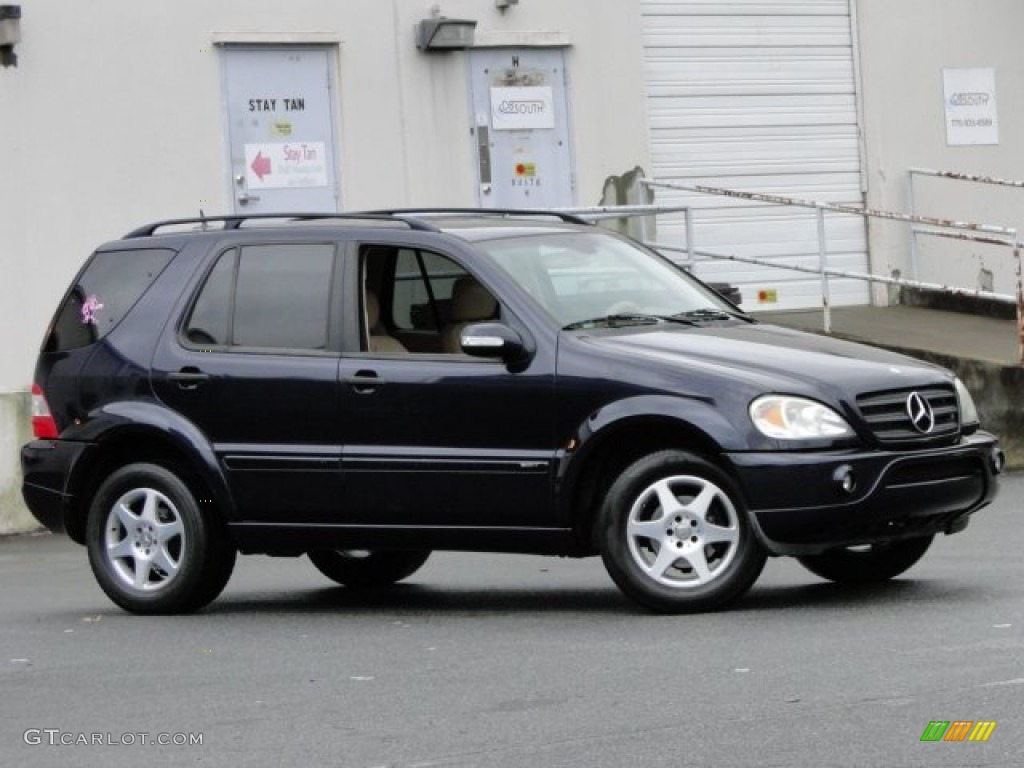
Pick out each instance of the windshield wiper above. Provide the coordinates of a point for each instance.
(624, 319)
(712, 313)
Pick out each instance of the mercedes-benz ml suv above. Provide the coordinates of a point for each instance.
(367, 388)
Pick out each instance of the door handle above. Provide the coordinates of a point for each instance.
(188, 378)
(243, 195)
(363, 382)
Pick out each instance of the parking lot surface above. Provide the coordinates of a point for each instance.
(494, 660)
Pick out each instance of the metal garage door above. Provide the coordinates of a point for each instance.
(758, 95)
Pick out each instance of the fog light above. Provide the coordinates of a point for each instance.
(844, 478)
(998, 460)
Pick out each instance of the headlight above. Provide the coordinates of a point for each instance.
(968, 411)
(796, 418)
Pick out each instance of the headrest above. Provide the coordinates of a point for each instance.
(471, 301)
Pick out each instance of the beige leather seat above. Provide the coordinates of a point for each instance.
(378, 339)
(471, 303)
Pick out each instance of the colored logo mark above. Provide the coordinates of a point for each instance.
(90, 309)
(958, 730)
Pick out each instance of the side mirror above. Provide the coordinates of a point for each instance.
(492, 340)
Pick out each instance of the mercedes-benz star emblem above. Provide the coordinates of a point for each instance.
(921, 414)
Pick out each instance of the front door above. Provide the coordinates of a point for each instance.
(434, 437)
(521, 128)
(281, 135)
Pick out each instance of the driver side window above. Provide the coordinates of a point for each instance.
(419, 299)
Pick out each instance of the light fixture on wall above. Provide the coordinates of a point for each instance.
(442, 34)
(502, 5)
(10, 34)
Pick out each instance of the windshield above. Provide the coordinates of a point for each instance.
(582, 278)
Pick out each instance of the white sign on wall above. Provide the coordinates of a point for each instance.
(291, 165)
(522, 108)
(970, 106)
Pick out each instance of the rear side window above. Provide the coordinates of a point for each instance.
(266, 296)
(106, 290)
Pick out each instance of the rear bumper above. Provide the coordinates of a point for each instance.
(799, 504)
(46, 467)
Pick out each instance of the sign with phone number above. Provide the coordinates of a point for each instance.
(970, 97)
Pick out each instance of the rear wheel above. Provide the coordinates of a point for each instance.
(868, 564)
(365, 569)
(674, 536)
(150, 549)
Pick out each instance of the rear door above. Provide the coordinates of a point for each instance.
(254, 365)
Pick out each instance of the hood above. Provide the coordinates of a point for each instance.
(772, 358)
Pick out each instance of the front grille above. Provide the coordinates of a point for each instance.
(887, 415)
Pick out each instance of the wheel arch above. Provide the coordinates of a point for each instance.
(611, 440)
(130, 433)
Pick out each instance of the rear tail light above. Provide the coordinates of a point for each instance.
(43, 425)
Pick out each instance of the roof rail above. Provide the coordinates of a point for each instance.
(506, 212)
(235, 221)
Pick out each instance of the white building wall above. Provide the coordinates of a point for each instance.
(113, 117)
(904, 46)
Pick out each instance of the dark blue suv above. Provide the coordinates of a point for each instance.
(367, 388)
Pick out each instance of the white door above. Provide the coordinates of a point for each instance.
(758, 96)
(521, 130)
(281, 136)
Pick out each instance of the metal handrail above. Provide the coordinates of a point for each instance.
(957, 176)
(1017, 246)
(855, 210)
(960, 230)
(866, 276)
(951, 175)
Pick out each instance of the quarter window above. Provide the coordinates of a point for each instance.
(104, 293)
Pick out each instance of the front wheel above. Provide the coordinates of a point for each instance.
(674, 535)
(150, 548)
(869, 564)
(366, 569)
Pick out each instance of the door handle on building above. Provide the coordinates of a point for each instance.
(243, 195)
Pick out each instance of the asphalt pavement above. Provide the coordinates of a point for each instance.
(491, 660)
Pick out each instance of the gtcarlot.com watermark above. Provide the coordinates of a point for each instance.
(55, 737)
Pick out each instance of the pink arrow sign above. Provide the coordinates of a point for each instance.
(261, 165)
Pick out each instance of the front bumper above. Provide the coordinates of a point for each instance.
(46, 467)
(800, 506)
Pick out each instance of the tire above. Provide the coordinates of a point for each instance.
(150, 549)
(674, 535)
(368, 569)
(867, 565)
